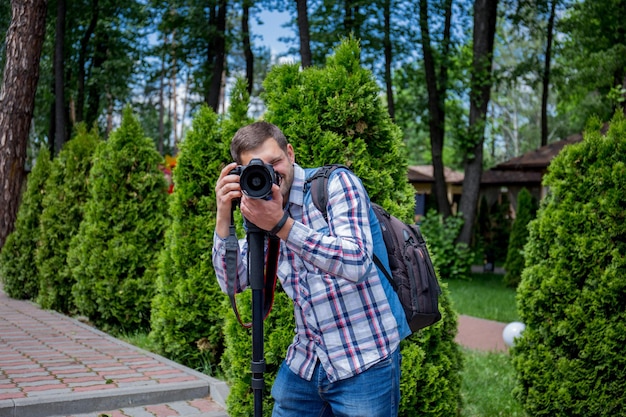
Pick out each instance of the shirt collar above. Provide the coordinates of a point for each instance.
(296, 194)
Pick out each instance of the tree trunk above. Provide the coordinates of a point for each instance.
(545, 79)
(60, 131)
(173, 90)
(23, 44)
(437, 90)
(82, 58)
(218, 58)
(485, 14)
(305, 35)
(388, 59)
(162, 102)
(247, 49)
(101, 47)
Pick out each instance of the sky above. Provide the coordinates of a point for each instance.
(271, 29)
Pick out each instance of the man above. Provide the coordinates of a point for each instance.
(344, 358)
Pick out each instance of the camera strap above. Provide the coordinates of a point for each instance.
(271, 268)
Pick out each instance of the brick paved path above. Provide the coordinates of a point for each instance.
(54, 365)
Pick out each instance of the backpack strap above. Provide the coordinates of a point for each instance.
(317, 183)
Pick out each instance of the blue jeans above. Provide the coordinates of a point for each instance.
(373, 393)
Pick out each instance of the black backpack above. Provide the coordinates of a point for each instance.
(412, 274)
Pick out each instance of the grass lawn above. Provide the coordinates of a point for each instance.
(484, 296)
(488, 377)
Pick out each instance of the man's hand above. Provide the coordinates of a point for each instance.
(264, 214)
(227, 190)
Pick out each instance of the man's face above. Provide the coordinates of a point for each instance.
(271, 153)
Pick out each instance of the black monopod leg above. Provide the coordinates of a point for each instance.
(256, 267)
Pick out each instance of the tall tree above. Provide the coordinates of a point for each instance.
(60, 131)
(247, 47)
(303, 33)
(437, 85)
(24, 41)
(593, 59)
(485, 14)
(216, 54)
(545, 79)
(82, 58)
(388, 57)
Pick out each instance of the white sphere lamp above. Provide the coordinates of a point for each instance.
(512, 331)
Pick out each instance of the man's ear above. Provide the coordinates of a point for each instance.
(291, 154)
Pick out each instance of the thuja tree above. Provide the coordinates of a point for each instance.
(63, 204)
(186, 319)
(572, 294)
(334, 114)
(114, 255)
(526, 209)
(17, 259)
(187, 312)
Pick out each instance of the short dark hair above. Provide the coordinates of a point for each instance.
(254, 135)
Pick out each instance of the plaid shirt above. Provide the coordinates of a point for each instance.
(342, 315)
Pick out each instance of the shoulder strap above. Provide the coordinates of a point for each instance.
(271, 268)
(318, 185)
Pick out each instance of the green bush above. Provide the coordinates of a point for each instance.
(186, 319)
(17, 259)
(62, 212)
(493, 227)
(334, 114)
(431, 367)
(572, 296)
(514, 264)
(187, 313)
(452, 260)
(278, 335)
(114, 255)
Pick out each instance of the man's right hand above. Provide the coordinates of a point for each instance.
(227, 190)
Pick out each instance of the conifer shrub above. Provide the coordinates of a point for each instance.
(187, 312)
(62, 212)
(113, 256)
(572, 296)
(453, 260)
(17, 258)
(334, 115)
(526, 209)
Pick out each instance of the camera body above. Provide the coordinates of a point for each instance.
(256, 179)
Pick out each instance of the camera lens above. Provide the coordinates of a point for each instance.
(256, 181)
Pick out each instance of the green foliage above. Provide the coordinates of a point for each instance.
(525, 212)
(187, 320)
(493, 225)
(17, 259)
(431, 367)
(452, 260)
(66, 193)
(334, 115)
(572, 294)
(278, 334)
(187, 312)
(113, 257)
(592, 60)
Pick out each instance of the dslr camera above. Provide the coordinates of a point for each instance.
(256, 179)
